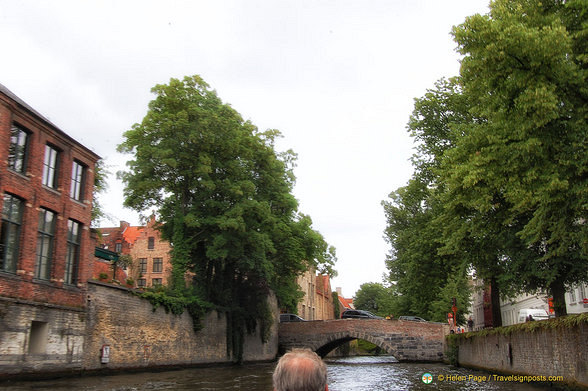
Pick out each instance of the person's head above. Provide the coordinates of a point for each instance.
(300, 370)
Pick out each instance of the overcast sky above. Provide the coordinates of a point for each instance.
(337, 78)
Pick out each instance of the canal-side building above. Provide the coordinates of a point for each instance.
(317, 302)
(46, 253)
(150, 253)
(576, 302)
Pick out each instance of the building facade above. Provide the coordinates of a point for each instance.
(46, 253)
(317, 303)
(150, 254)
(576, 302)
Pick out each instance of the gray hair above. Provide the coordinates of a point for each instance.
(300, 370)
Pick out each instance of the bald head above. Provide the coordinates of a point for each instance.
(300, 370)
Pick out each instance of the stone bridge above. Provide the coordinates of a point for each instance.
(405, 340)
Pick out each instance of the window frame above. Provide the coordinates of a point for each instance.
(72, 258)
(50, 176)
(157, 262)
(10, 232)
(78, 180)
(45, 238)
(142, 265)
(20, 156)
(151, 243)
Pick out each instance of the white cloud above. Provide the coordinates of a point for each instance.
(338, 79)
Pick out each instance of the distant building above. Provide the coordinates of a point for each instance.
(46, 252)
(151, 258)
(576, 302)
(317, 303)
(344, 304)
(325, 307)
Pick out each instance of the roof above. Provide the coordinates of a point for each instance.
(346, 303)
(131, 234)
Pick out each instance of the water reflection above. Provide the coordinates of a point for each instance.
(345, 374)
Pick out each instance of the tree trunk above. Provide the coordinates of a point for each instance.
(495, 300)
(558, 291)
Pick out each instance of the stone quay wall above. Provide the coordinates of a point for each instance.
(139, 337)
(117, 330)
(40, 337)
(544, 351)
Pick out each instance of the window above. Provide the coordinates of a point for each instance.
(10, 232)
(45, 244)
(141, 282)
(76, 190)
(50, 167)
(142, 265)
(150, 243)
(17, 152)
(573, 295)
(73, 252)
(118, 247)
(157, 265)
(156, 282)
(581, 292)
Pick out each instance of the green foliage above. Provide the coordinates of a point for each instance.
(564, 322)
(100, 186)
(336, 306)
(374, 297)
(501, 165)
(177, 304)
(524, 71)
(224, 198)
(368, 348)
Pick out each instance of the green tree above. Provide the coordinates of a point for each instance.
(418, 268)
(524, 71)
(369, 296)
(100, 186)
(224, 197)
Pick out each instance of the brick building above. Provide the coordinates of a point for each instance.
(46, 182)
(46, 253)
(317, 303)
(151, 259)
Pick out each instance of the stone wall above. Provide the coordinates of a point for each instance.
(40, 337)
(561, 351)
(139, 337)
(46, 339)
(406, 341)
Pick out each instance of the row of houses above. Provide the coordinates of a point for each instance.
(481, 309)
(319, 302)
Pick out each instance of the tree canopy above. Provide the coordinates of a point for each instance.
(500, 182)
(224, 198)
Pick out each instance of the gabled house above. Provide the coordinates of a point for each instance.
(151, 258)
(344, 304)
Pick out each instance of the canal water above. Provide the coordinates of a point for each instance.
(377, 373)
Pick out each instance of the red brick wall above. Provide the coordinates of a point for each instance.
(29, 188)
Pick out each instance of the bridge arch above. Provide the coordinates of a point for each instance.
(332, 341)
(405, 340)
